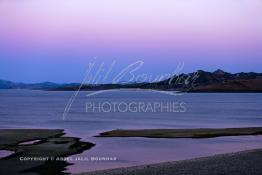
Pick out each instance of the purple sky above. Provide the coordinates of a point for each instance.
(46, 40)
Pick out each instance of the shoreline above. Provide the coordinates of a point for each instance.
(53, 143)
(247, 162)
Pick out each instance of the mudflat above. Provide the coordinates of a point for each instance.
(38, 157)
(183, 133)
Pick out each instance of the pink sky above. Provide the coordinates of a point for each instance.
(193, 31)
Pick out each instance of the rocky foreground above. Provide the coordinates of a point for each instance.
(240, 163)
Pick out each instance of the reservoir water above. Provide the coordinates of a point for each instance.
(45, 109)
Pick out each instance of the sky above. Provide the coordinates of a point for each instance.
(47, 40)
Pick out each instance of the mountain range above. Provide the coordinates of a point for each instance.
(199, 81)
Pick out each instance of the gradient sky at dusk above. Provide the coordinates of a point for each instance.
(47, 40)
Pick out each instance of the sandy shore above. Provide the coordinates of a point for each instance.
(183, 133)
(39, 157)
(240, 163)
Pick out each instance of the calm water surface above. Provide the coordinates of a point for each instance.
(43, 109)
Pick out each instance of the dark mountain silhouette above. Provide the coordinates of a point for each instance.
(199, 81)
(217, 81)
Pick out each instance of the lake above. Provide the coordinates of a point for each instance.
(45, 109)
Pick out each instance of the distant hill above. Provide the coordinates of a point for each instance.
(40, 86)
(6, 84)
(199, 81)
(217, 81)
